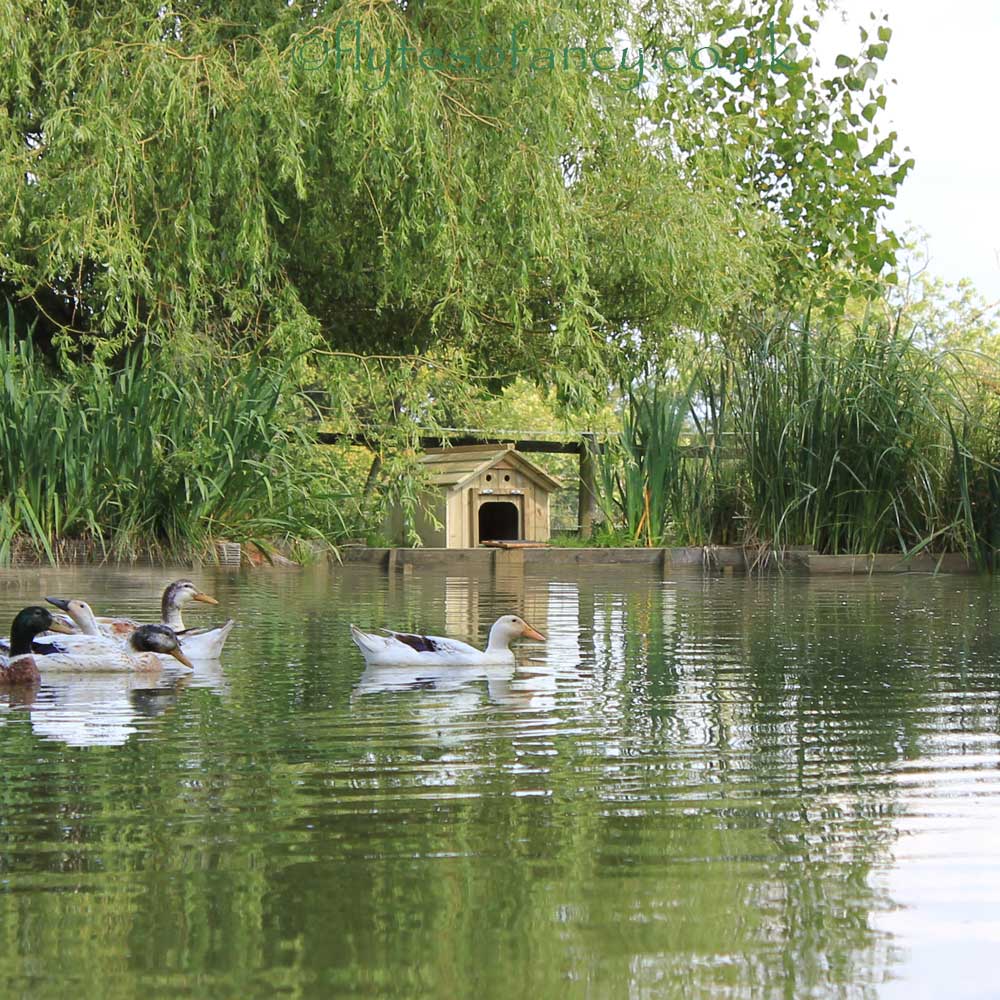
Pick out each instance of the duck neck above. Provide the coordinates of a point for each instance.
(86, 622)
(170, 611)
(20, 643)
(499, 640)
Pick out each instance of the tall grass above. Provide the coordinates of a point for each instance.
(974, 475)
(664, 477)
(845, 440)
(140, 460)
(842, 440)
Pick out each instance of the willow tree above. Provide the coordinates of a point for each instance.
(395, 177)
(221, 170)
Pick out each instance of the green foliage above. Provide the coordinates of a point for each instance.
(183, 174)
(665, 479)
(188, 174)
(139, 460)
(186, 180)
(845, 440)
(974, 475)
(801, 140)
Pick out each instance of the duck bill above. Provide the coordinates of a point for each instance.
(178, 655)
(59, 602)
(58, 626)
(532, 633)
(204, 598)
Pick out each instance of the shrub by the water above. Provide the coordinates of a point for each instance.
(843, 440)
(140, 459)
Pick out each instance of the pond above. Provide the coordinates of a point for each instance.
(697, 787)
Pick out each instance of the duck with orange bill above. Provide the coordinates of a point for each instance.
(405, 648)
(197, 643)
(90, 643)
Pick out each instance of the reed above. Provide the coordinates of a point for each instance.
(663, 478)
(974, 473)
(141, 461)
(844, 440)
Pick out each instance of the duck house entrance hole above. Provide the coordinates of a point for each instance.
(498, 521)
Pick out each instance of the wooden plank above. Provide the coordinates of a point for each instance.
(368, 441)
(515, 545)
(440, 468)
(447, 469)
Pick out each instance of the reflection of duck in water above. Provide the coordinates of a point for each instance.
(398, 648)
(102, 709)
(404, 677)
(529, 690)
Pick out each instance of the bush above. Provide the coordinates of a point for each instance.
(142, 460)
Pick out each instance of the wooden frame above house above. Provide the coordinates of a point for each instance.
(481, 493)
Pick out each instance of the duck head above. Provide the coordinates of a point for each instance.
(80, 612)
(508, 628)
(28, 623)
(175, 596)
(158, 639)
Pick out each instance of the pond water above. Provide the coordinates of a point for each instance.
(698, 787)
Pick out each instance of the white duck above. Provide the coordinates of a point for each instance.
(91, 651)
(402, 648)
(197, 643)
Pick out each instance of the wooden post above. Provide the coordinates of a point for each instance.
(374, 469)
(587, 505)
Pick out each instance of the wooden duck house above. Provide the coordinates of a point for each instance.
(480, 493)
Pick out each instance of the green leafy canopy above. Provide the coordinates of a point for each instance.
(176, 173)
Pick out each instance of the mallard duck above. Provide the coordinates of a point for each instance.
(197, 643)
(403, 648)
(36, 646)
(22, 667)
(90, 650)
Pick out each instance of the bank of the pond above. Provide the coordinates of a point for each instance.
(713, 558)
(228, 555)
(708, 559)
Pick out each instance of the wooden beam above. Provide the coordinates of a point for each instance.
(526, 446)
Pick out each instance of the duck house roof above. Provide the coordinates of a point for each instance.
(454, 467)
